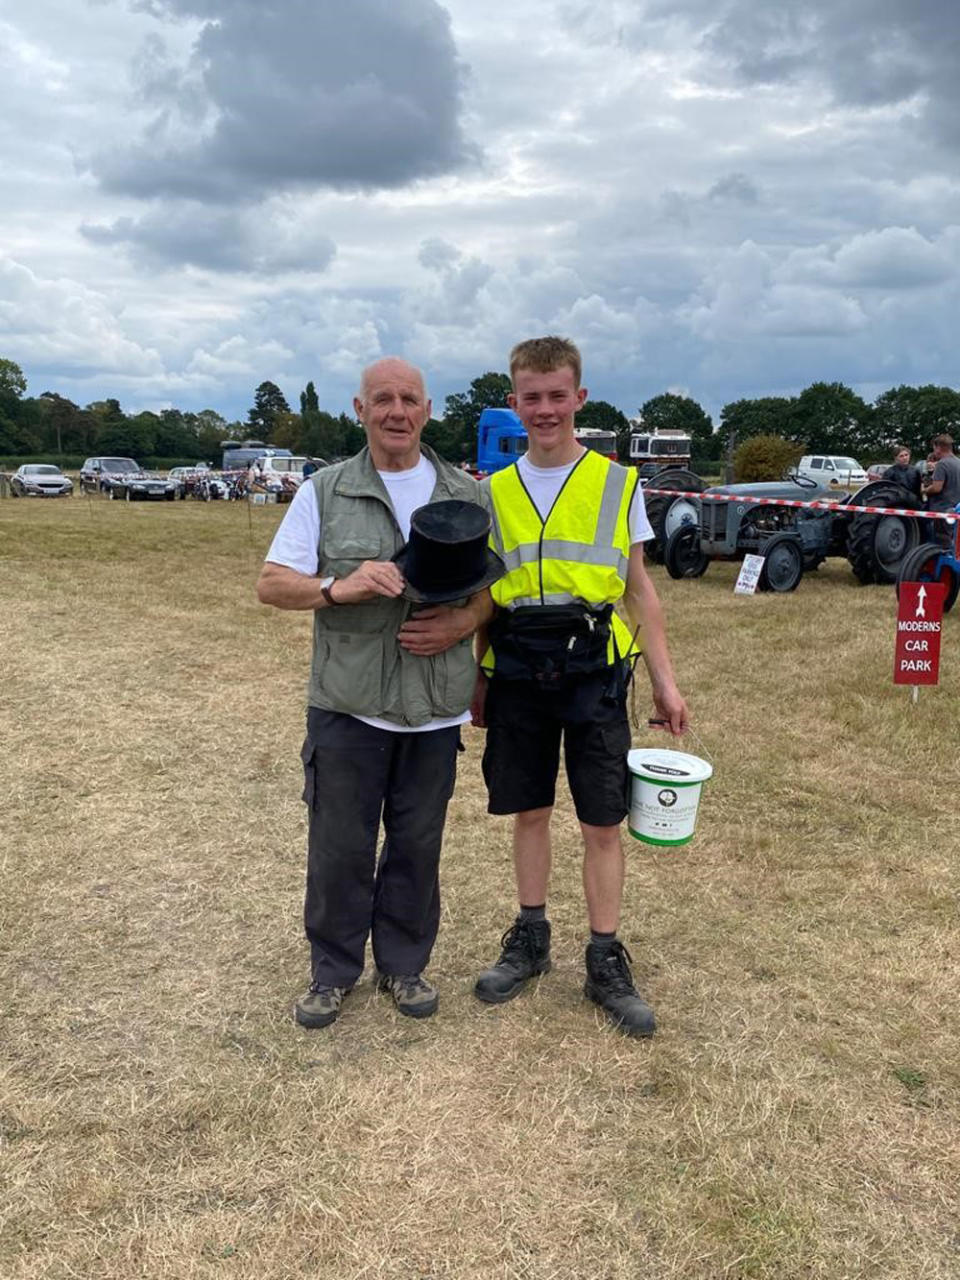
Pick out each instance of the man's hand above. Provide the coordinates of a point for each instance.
(373, 578)
(434, 630)
(671, 709)
(478, 707)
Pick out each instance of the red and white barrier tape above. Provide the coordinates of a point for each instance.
(821, 505)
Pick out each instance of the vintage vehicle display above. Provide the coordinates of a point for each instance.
(185, 479)
(667, 514)
(935, 562)
(124, 479)
(654, 450)
(793, 539)
(40, 480)
(240, 453)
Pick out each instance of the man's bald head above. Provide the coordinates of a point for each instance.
(389, 366)
(394, 409)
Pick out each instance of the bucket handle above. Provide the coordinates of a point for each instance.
(699, 741)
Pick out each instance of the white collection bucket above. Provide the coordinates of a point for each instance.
(665, 794)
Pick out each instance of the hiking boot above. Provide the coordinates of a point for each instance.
(320, 1006)
(525, 953)
(610, 985)
(412, 994)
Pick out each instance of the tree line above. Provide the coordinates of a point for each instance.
(826, 417)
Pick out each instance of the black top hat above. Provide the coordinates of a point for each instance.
(447, 557)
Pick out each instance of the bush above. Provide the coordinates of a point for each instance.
(765, 458)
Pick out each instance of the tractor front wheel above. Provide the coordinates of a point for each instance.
(782, 564)
(932, 563)
(683, 557)
(667, 514)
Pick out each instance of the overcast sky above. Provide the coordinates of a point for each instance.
(725, 198)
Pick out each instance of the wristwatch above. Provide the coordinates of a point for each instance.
(325, 585)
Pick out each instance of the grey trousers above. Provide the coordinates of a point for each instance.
(354, 776)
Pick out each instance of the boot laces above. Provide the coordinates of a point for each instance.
(615, 967)
(518, 943)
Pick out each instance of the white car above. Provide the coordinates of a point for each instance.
(831, 470)
(40, 480)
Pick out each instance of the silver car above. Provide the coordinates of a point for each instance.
(40, 480)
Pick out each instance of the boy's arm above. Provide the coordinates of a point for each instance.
(643, 610)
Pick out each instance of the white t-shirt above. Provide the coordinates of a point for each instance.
(296, 542)
(544, 483)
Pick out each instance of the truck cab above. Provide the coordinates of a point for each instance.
(501, 439)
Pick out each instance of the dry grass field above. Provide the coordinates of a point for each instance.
(161, 1115)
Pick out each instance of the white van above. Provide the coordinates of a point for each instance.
(830, 470)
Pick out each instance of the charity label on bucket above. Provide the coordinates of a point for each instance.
(665, 794)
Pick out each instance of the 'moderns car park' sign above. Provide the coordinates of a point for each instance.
(919, 623)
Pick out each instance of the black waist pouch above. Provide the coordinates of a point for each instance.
(551, 644)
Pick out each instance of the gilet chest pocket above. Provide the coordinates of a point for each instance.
(352, 547)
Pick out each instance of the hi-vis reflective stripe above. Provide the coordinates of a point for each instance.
(609, 507)
(560, 597)
(560, 549)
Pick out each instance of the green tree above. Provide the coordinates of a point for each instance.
(67, 428)
(268, 402)
(913, 415)
(288, 431)
(212, 430)
(112, 429)
(13, 384)
(828, 417)
(462, 412)
(767, 416)
(764, 458)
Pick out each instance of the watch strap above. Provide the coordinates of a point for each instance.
(325, 592)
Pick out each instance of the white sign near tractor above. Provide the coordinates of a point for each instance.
(749, 575)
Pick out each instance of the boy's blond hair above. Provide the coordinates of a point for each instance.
(544, 355)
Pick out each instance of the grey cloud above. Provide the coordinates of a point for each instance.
(300, 94)
(868, 53)
(734, 186)
(256, 241)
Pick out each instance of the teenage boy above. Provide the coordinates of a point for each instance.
(570, 525)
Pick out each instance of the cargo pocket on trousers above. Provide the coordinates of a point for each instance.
(616, 744)
(307, 755)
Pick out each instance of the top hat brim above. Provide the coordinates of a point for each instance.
(493, 572)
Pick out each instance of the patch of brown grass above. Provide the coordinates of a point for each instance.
(160, 1114)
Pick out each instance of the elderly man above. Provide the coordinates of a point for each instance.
(388, 693)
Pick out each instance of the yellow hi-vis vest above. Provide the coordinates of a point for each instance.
(578, 555)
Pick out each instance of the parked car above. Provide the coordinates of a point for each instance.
(40, 480)
(124, 479)
(830, 470)
(877, 470)
(185, 478)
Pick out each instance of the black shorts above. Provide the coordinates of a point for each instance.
(522, 755)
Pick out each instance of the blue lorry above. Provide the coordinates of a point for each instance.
(502, 438)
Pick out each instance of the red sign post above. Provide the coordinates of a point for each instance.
(919, 624)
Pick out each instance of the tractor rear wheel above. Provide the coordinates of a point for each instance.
(932, 563)
(878, 545)
(782, 564)
(683, 557)
(667, 514)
